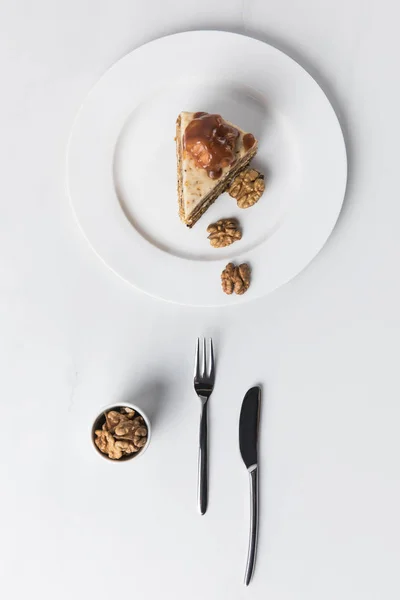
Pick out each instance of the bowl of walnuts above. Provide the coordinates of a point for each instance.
(121, 432)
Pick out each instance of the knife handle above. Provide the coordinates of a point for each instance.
(202, 477)
(251, 556)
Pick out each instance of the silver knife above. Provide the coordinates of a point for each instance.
(248, 442)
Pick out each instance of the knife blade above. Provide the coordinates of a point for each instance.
(248, 426)
(248, 443)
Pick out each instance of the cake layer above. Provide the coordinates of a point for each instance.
(196, 190)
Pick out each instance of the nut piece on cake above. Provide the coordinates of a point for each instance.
(247, 188)
(235, 279)
(224, 232)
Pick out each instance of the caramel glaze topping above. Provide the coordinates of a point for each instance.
(211, 142)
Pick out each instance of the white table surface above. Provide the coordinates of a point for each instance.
(73, 337)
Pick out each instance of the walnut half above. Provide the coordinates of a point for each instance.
(236, 279)
(223, 233)
(247, 188)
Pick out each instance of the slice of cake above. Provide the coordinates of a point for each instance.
(210, 153)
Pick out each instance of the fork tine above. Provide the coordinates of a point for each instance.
(211, 370)
(204, 360)
(197, 361)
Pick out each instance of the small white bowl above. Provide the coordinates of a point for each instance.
(100, 419)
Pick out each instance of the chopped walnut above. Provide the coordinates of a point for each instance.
(102, 439)
(129, 411)
(247, 188)
(106, 444)
(113, 419)
(141, 432)
(235, 279)
(123, 432)
(223, 233)
(140, 442)
(127, 447)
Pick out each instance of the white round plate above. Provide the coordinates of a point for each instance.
(121, 167)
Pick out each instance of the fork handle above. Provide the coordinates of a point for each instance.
(202, 478)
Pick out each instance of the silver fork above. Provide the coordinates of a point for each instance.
(204, 377)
